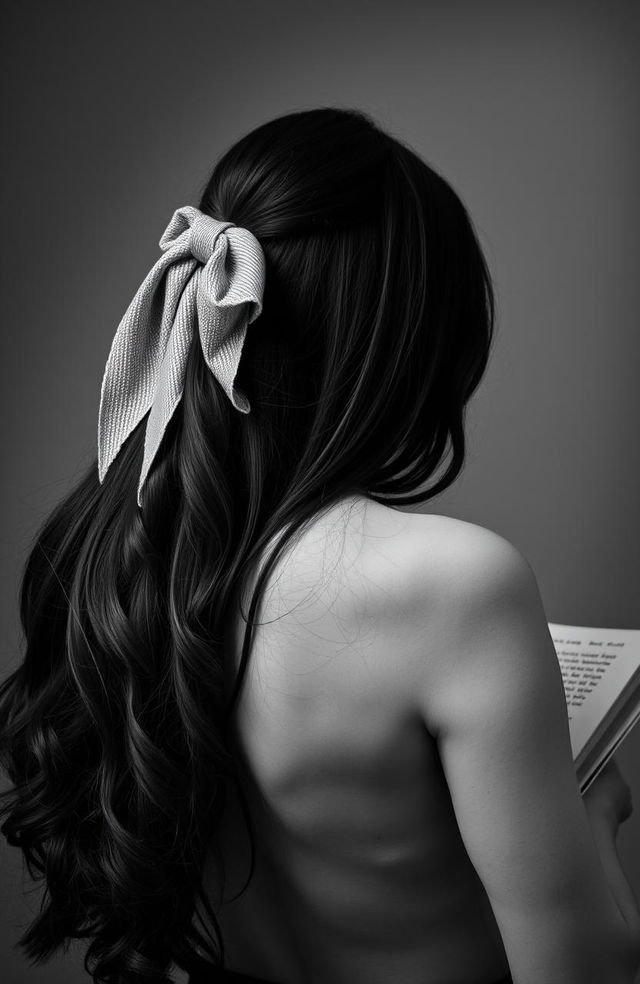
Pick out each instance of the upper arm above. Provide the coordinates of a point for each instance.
(492, 695)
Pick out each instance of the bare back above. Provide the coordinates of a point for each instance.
(361, 873)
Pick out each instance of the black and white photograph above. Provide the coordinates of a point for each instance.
(320, 526)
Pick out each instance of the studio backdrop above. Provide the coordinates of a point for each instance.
(113, 116)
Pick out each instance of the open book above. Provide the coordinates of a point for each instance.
(601, 676)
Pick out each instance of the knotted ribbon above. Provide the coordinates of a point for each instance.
(211, 274)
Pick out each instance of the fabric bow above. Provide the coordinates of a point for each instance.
(147, 362)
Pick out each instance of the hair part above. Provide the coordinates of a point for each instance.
(114, 730)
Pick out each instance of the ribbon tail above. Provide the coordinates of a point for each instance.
(223, 359)
(170, 380)
(223, 326)
(131, 372)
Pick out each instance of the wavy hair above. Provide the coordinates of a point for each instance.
(114, 729)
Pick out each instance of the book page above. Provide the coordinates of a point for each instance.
(606, 743)
(597, 665)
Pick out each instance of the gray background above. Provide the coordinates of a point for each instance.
(115, 114)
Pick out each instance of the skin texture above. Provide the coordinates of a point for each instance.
(408, 770)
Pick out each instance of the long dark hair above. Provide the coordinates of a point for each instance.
(376, 329)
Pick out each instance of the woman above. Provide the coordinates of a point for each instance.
(267, 718)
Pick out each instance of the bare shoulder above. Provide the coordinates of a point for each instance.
(472, 566)
(473, 613)
(463, 549)
(427, 560)
(449, 599)
(384, 560)
(418, 584)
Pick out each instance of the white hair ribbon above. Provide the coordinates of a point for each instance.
(147, 362)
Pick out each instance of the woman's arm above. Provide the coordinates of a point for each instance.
(608, 804)
(490, 690)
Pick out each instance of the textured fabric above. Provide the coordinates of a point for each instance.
(210, 277)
